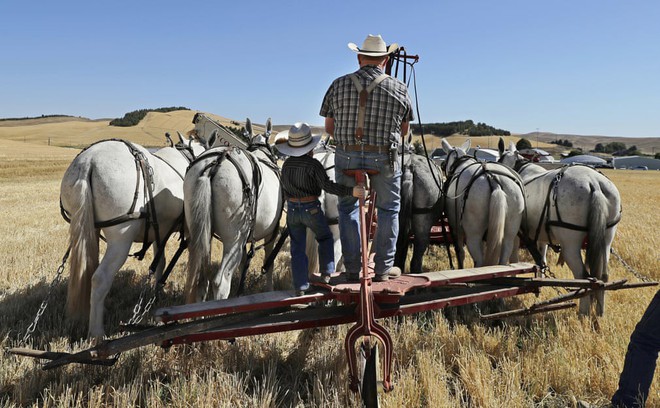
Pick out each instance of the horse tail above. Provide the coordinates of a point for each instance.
(199, 225)
(84, 244)
(596, 242)
(496, 220)
(405, 218)
(312, 252)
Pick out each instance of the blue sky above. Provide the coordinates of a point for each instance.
(589, 67)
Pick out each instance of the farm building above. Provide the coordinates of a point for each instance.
(636, 162)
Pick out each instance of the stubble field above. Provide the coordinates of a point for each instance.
(442, 359)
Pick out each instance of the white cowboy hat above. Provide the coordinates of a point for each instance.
(300, 140)
(374, 46)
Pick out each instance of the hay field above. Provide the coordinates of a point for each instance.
(442, 359)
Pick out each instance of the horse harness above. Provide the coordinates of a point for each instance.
(249, 198)
(422, 210)
(552, 195)
(144, 172)
(490, 174)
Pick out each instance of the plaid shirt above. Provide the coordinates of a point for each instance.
(387, 107)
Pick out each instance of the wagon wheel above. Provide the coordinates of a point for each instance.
(368, 377)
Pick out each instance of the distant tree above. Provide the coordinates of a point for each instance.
(575, 152)
(615, 147)
(37, 117)
(523, 144)
(657, 156)
(599, 148)
(466, 127)
(562, 142)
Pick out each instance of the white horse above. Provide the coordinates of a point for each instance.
(119, 189)
(565, 206)
(483, 200)
(234, 195)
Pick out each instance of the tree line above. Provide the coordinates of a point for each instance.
(134, 117)
(465, 127)
(38, 117)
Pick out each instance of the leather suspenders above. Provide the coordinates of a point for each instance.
(364, 95)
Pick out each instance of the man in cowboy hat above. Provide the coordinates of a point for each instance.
(368, 112)
(303, 177)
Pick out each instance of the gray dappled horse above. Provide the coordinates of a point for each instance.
(421, 207)
(234, 195)
(119, 189)
(483, 200)
(565, 206)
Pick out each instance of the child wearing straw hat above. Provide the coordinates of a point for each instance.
(303, 178)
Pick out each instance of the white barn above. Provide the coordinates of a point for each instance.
(636, 162)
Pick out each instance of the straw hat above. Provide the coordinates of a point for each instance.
(300, 140)
(373, 46)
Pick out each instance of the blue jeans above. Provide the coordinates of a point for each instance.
(639, 365)
(299, 217)
(387, 185)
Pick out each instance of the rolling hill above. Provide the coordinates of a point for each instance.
(76, 132)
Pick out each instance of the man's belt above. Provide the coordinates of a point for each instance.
(307, 199)
(365, 148)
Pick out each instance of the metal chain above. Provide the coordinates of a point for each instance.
(629, 268)
(138, 312)
(477, 310)
(42, 308)
(547, 272)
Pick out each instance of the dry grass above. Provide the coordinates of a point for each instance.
(443, 359)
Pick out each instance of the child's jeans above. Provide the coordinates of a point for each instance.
(299, 217)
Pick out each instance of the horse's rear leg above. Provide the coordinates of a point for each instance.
(233, 253)
(268, 249)
(421, 229)
(604, 273)
(160, 266)
(509, 242)
(514, 252)
(572, 255)
(115, 256)
(474, 244)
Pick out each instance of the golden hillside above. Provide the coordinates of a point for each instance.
(78, 132)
